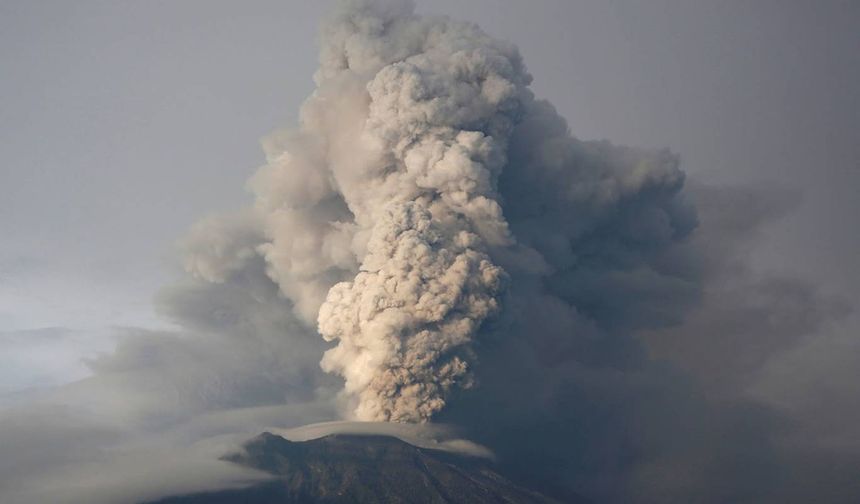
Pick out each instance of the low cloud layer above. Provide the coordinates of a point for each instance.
(426, 435)
(432, 244)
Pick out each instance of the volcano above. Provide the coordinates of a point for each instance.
(344, 468)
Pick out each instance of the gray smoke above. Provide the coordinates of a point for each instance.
(378, 214)
(382, 218)
(441, 100)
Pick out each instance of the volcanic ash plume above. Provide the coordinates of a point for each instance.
(405, 322)
(438, 118)
(381, 217)
(379, 214)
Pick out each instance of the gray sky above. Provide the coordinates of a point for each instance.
(124, 122)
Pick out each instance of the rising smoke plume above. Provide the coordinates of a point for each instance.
(389, 188)
(381, 215)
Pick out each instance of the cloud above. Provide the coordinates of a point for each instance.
(745, 317)
(165, 405)
(64, 454)
(31, 359)
(427, 435)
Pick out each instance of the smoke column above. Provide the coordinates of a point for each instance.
(380, 218)
(438, 120)
(390, 185)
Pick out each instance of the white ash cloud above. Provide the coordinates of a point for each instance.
(441, 99)
(404, 324)
(428, 435)
(424, 168)
(379, 212)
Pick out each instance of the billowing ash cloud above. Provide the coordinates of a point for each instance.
(390, 188)
(441, 101)
(405, 323)
(383, 219)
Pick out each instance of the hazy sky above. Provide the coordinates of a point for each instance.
(123, 122)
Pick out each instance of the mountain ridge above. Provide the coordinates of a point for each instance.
(342, 468)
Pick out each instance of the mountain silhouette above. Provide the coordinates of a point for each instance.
(364, 469)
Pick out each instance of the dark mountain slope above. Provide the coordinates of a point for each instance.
(363, 469)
